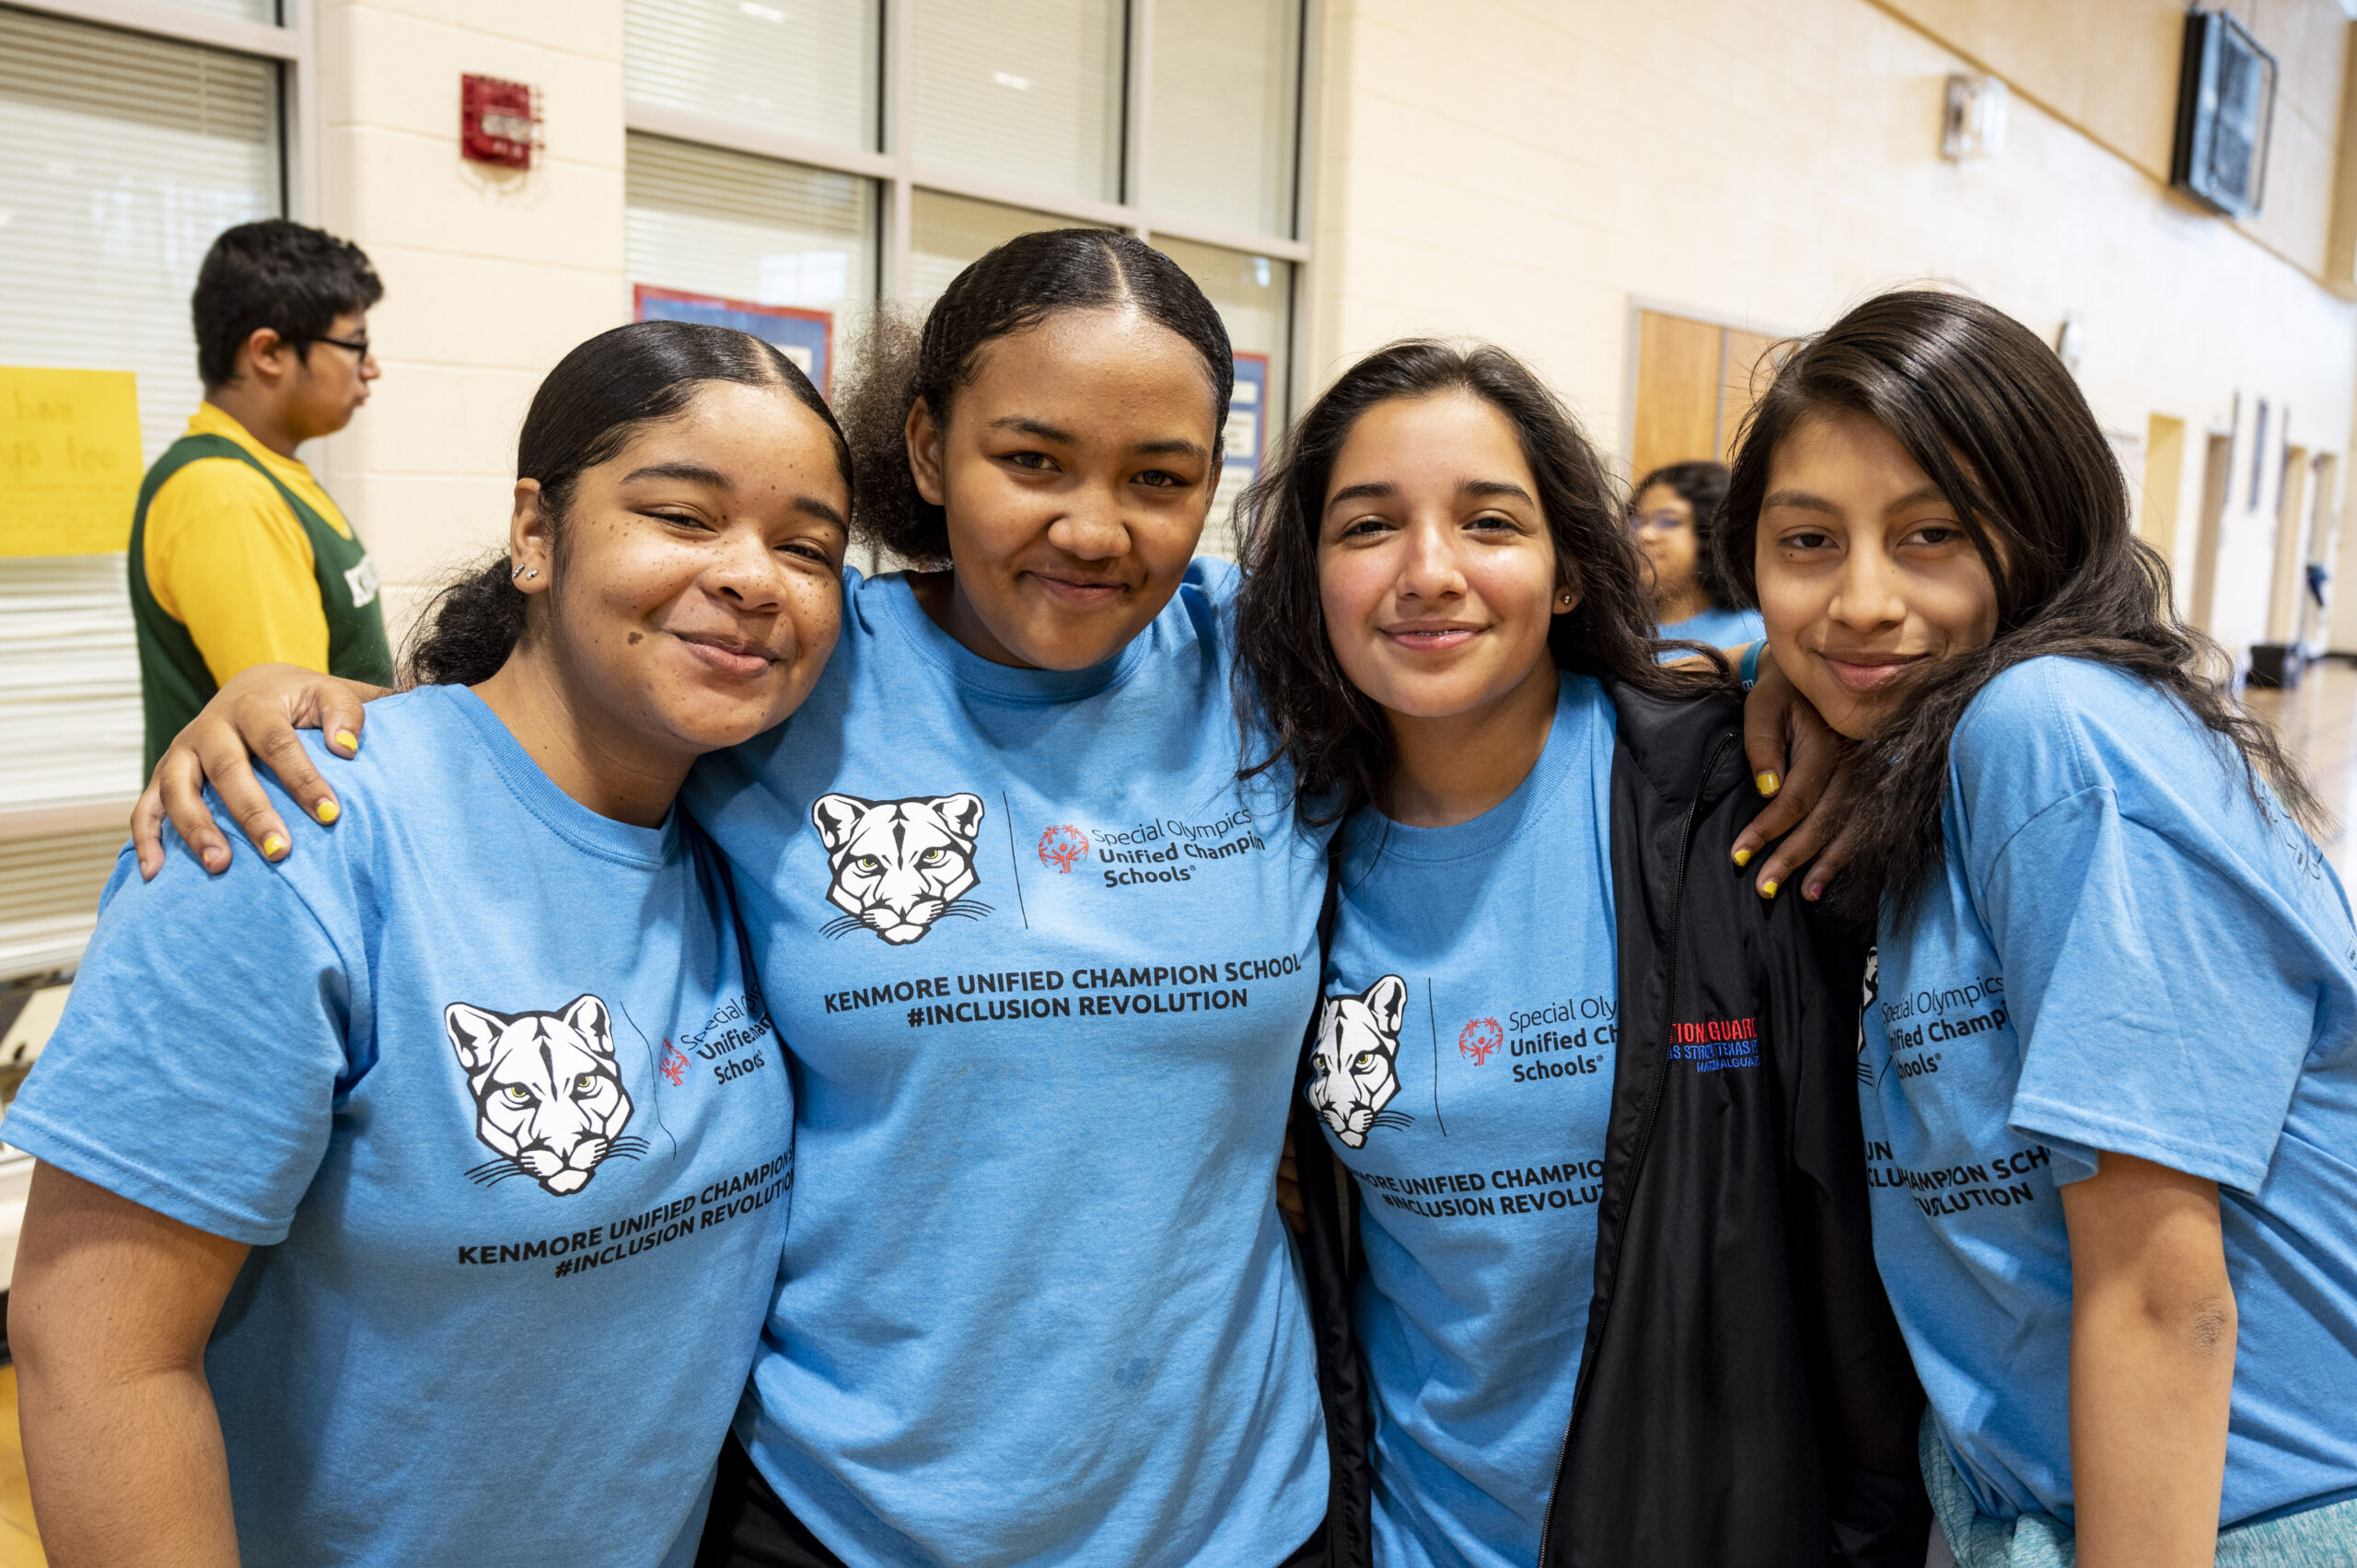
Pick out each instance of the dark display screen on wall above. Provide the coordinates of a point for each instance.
(2226, 105)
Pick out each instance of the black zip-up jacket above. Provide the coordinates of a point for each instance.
(1744, 1399)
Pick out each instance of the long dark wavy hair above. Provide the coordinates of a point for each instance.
(598, 396)
(1703, 486)
(1289, 686)
(1986, 411)
(1016, 287)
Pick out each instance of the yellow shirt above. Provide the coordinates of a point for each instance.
(227, 559)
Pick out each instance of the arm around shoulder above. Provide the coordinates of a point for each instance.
(256, 713)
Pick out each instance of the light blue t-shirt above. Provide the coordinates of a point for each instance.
(478, 1075)
(1463, 1070)
(1719, 626)
(2124, 952)
(1044, 970)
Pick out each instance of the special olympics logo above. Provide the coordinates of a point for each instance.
(1063, 848)
(1479, 1038)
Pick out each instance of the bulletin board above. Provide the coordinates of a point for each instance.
(1248, 422)
(69, 461)
(805, 337)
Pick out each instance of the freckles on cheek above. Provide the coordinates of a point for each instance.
(637, 637)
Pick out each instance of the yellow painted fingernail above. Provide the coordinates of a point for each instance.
(348, 740)
(1743, 857)
(273, 845)
(327, 811)
(1768, 890)
(1767, 783)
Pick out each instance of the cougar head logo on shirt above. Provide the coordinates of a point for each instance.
(899, 864)
(547, 1097)
(1351, 1070)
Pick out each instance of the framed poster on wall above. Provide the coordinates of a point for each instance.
(805, 337)
(1245, 442)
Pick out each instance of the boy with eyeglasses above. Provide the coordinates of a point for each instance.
(238, 557)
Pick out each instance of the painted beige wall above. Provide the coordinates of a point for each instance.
(489, 275)
(1530, 174)
(2109, 67)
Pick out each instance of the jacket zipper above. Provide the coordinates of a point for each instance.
(1653, 1107)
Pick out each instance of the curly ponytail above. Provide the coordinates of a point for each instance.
(467, 631)
(596, 399)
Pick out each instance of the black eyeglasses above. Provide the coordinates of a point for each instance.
(359, 346)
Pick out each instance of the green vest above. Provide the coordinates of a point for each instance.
(173, 681)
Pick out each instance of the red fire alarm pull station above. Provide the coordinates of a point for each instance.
(497, 121)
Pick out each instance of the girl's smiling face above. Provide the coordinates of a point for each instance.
(1435, 561)
(1077, 467)
(1865, 569)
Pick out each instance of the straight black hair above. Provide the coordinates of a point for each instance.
(1986, 411)
(596, 399)
(1012, 288)
(278, 275)
(1701, 485)
(1288, 683)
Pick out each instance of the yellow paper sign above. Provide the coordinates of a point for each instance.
(69, 461)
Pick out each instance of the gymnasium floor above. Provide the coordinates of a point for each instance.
(19, 1546)
(2318, 721)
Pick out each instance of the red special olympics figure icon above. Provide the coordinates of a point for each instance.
(674, 1064)
(1063, 848)
(1479, 1038)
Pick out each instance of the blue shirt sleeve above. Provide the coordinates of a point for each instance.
(196, 1068)
(2163, 986)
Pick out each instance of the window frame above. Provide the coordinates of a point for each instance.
(898, 174)
(292, 45)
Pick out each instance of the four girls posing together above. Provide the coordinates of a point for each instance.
(774, 1066)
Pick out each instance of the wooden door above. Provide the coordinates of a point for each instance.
(1695, 382)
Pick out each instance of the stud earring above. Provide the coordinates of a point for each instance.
(530, 575)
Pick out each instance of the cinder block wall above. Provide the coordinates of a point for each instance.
(490, 276)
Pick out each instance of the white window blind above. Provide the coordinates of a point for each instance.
(1223, 79)
(746, 228)
(122, 156)
(49, 898)
(948, 233)
(802, 67)
(262, 11)
(1026, 91)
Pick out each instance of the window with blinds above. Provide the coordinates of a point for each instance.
(799, 67)
(1222, 144)
(1025, 91)
(125, 155)
(1254, 297)
(744, 228)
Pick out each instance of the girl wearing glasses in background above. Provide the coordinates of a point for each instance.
(1675, 510)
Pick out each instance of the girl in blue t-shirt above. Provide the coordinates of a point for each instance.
(2109, 1077)
(1673, 511)
(1043, 962)
(1609, 1207)
(417, 1197)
